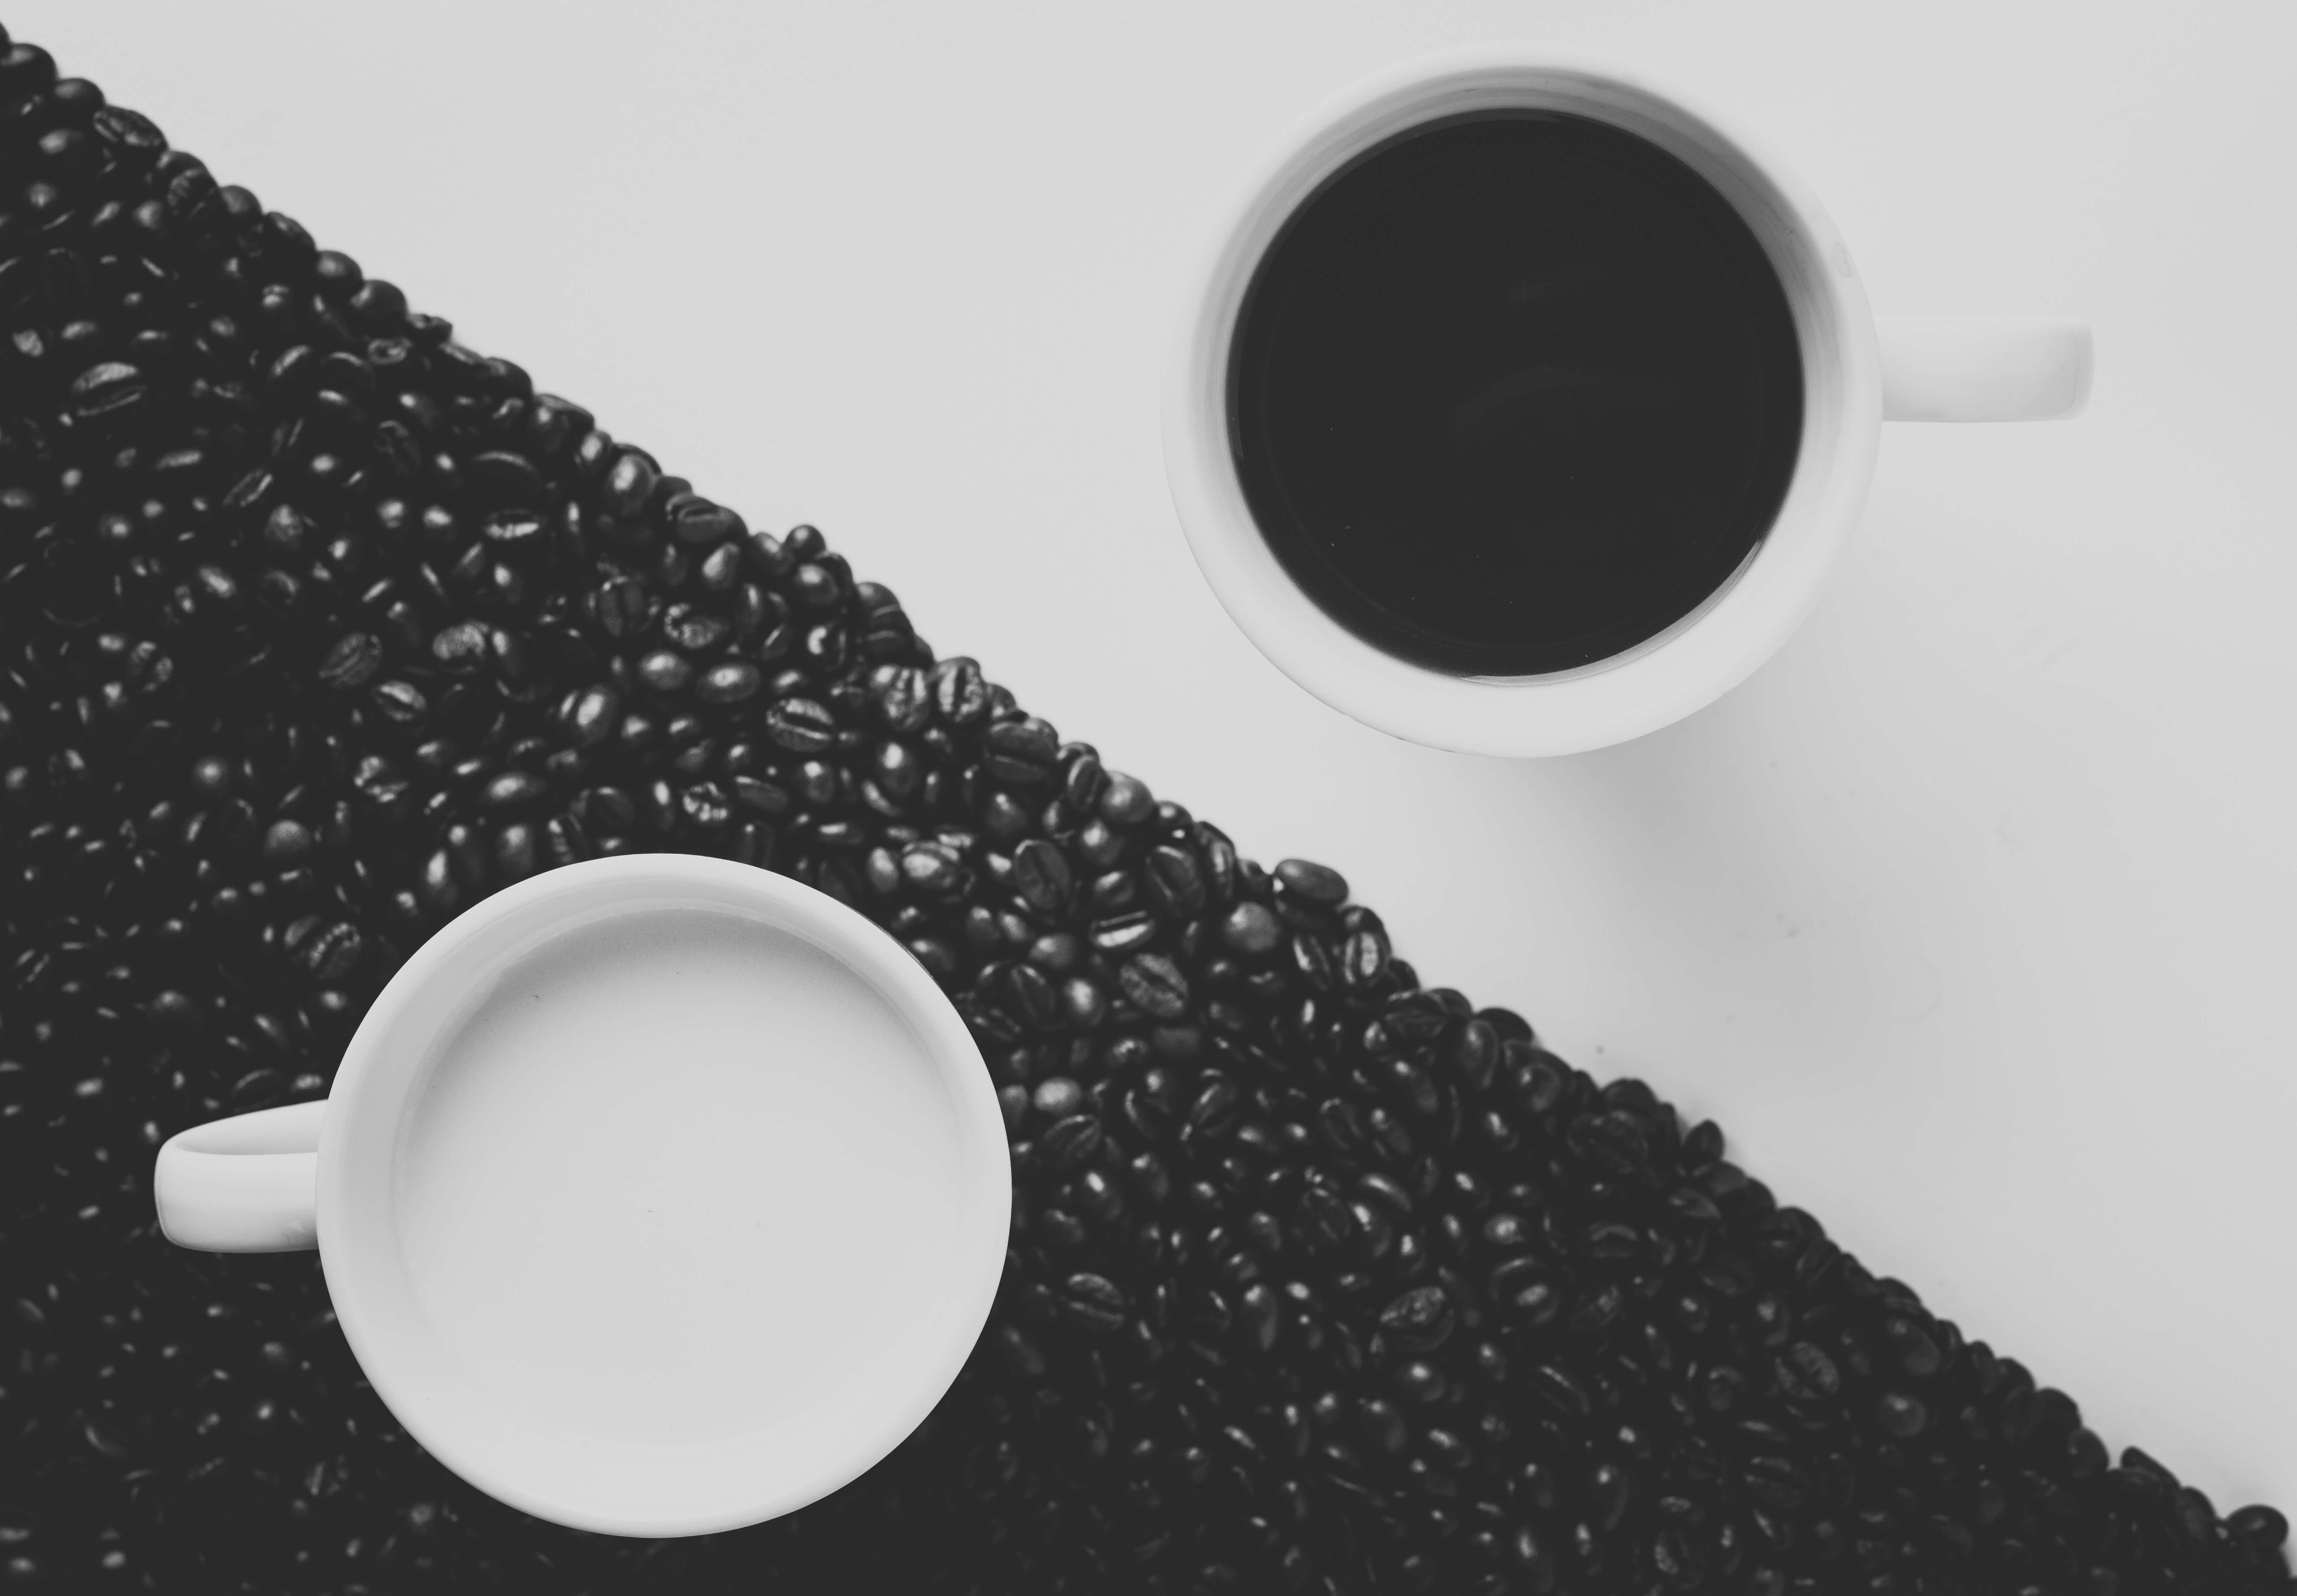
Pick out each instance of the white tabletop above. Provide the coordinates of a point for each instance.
(1969, 917)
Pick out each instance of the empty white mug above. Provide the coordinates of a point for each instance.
(1858, 370)
(656, 1195)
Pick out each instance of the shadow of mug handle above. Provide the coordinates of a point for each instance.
(247, 1184)
(1983, 367)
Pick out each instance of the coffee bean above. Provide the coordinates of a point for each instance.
(1901, 1415)
(1119, 934)
(1418, 1320)
(1094, 1303)
(1040, 875)
(630, 483)
(2194, 1517)
(1250, 930)
(696, 521)
(1611, 1142)
(1083, 1005)
(1695, 1205)
(1806, 1373)
(324, 950)
(512, 788)
(1072, 1142)
(1126, 801)
(1364, 958)
(354, 659)
(666, 670)
(1058, 1097)
(801, 725)
(400, 702)
(1214, 1108)
(1020, 752)
(504, 478)
(620, 605)
(107, 391)
(2260, 1527)
(1154, 984)
(733, 681)
(514, 851)
(1316, 884)
(462, 646)
(960, 694)
(2086, 1455)
(287, 843)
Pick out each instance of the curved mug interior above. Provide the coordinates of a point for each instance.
(1691, 662)
(559, 1467)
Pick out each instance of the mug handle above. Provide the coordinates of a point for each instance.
(247, 1184)
(1983, 367)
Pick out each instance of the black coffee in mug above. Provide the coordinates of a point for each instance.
(1513, 392)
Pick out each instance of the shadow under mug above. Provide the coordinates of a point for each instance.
(339, 1174)
(1857, 369)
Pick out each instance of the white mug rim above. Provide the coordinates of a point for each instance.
(367, 1109)
(1701, 656)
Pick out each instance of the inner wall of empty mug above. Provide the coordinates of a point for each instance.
(717, 1309)
(1704, 652)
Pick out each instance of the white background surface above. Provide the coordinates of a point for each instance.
(1970, 917)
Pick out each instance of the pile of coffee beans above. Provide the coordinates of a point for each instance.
(316, 627)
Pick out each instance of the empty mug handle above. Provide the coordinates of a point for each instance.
(247, 1184)
(1983, 367)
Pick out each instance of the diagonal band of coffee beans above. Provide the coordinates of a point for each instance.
(317, 626)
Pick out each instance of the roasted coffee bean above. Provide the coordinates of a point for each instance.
(1154, 986)
(1612, 1143)
(1041, 875)
(1902, 1416)
(696, 521)
(1094, 1303)
(1071, 1141)
(1695, 1205)
(1214, 1108)
(2086, 1455)
(801, 725)
(732, 681)
(2261, 1527)
(515, 533)
(1418, 1320)
(107, 391)
(1250, 930)
(1560, 1390)
(666, 670)
(400, 702)
(324, 950)
(1806, 1374)
(1120, 935)
(287, 843)
(1020, 752)
(959, 693)
(1315, 884)
(352, 662)
(1317, 1280)
(1364, 958)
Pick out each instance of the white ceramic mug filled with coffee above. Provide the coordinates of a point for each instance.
(1520, 406)
(656, 1195)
